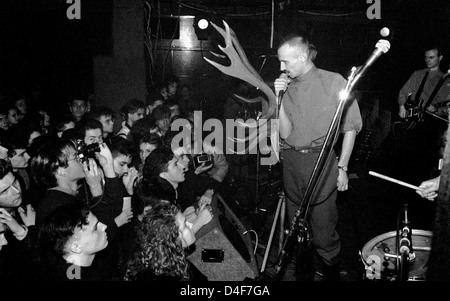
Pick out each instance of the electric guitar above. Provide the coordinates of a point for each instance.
(415, 112)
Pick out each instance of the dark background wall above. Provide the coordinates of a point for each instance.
(46, 56)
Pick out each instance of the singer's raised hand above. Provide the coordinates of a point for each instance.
(281, 83)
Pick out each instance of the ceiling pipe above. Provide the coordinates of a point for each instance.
(272, 24)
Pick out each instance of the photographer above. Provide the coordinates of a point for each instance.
(71, 176)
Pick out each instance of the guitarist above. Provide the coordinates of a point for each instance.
(418, 147)
(431, 74)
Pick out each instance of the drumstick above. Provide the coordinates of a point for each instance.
(394, 180)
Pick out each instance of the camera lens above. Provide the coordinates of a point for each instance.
(91, 149)
(87, 151)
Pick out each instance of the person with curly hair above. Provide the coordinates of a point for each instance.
(162, 237)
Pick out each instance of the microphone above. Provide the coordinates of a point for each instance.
(281, 93)
(381, 47)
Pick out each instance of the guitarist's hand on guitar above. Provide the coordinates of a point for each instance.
(402, 111)
(431, 109)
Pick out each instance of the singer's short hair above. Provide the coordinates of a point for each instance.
(295, 40)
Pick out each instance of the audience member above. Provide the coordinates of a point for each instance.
(72, 236)
(19, 259)
(162, 91)
(13, 115)
(105, 115)
(4, 145)
(65, 123)
(174, 109)
(132, 111)
(79, 106)
(4, 121)
(19, 158)
(172, 88)
(186, 99)
(147, 144)
(140, 128)
(45, 122)
(162, 174)
(89, 131)
(122, 151)
(22, 108)
(161, 117)
(58, 167)
(163, 235)
(152, 102)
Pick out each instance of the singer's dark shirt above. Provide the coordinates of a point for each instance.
(310, 103)
(413, 83)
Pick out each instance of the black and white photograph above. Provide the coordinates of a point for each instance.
(224, 147)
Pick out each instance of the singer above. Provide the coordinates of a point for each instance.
(307, 109)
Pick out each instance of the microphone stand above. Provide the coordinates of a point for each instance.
(281, 202)
(405, 247)
(299, 229)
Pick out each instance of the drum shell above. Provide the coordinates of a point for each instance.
(379, 256)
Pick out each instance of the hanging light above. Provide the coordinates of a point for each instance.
(203, 24)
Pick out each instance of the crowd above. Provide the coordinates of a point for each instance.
(80, 200)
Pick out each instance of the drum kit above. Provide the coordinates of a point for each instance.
(400, 255)
(382, 260)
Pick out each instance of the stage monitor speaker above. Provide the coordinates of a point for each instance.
(225, 231)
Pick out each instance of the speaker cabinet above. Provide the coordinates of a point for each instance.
(225, 231)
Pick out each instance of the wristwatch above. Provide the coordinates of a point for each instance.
(344, 168)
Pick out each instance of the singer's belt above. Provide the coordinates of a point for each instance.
(305, 150)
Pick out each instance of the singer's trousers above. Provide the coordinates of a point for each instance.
(323, 214)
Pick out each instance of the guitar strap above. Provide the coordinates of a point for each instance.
(419, 91)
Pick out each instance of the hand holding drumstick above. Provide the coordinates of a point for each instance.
(427, 189)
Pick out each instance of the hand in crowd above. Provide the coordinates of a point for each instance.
(190, 214)
(198, 217)
(202, 168)
(204, 216)
(17, 229)
(129, 178)
(124, 217)
(429, 188)
(93, 177)
(206, 198)
(431, 108)
(28, 216)
(342, 181)
(106, 160)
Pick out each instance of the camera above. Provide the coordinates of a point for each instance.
(86, 151)
(202, 158)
